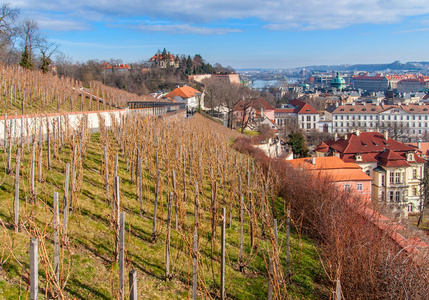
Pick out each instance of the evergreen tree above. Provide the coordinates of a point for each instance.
(45, 64)
(297, 143)
(189, 65)
(26, 59)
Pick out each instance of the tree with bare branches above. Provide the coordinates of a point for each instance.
(8, 29)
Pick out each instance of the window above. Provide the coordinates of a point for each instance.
(382, 196)
(347, 187)
(410, 208)
(314, 118)
(382, 180)
(414, 191)
(302, 118)
(398, 196)
(397, 177)
(392, 177)
(414, 173)
(359, 187)
(391, 195)
(308, 118)
(308, 126)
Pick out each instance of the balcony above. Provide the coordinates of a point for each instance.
(398, 185)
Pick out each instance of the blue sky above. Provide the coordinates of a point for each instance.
(239, 33)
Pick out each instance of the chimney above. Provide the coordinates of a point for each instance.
(357, 132)
(313, 161)
(335, 136)
(386, 135)
(345, 137)
(418, 143)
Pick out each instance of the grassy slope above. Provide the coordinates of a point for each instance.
(92, 274)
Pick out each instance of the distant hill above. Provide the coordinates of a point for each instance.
(396, 65)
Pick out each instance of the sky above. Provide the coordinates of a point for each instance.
(238, 33)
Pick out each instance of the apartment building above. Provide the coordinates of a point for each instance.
(395, 168)
(410, 119)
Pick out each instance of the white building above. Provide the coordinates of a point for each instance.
(402, 120)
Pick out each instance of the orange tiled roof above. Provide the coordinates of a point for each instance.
(333, 167)
(302, 107)
(322, 148)
(159, 57)
(184, 92)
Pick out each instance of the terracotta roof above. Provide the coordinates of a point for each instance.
(366, 142)
(333, 167)
(356, 109)
(420, 79)
(416, 108)
(381, 77)
(284, 110)
(302, 107)
(323, 163)
(105, 65)
(159, 57)
(184, 92)
(424, 147)
(322, 148)
(366, 157)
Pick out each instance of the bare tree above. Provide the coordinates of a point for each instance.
(29, 34)
(8, 29)
(397, 130)
(222, 94)
(47, 49)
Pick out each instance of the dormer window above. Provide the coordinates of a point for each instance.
(373, 109)
(410, 157)
(358, 157)
(363, 109)
(352, 109)
(411, 109)
(342, 109)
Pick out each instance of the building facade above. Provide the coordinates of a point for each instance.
(402, 120)
(297, 113)
(348, 177)
(377, 82)
(395, 168)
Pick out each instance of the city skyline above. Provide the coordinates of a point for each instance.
(242, 34)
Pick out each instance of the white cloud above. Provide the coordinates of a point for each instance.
(183, 29)
(62, 25)
(277, 15)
